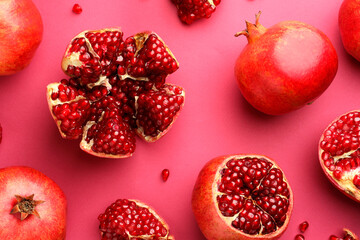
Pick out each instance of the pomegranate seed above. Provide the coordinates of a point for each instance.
(165, 174)
(77, 9)
(356, 181)
(299, 237)
(333, 237)
(303, 226)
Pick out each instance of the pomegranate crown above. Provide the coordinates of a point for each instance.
(252, 31)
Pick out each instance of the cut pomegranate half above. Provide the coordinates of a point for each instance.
(109, 97)
(132, 219)
(242, 197)
(339, 153)
(191, 10)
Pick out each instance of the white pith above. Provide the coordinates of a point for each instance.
(140, 130)
(230, 219)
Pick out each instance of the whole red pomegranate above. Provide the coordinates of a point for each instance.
(132, 219)
(284, 67)
(349, 24)
(339, 153)
(21, 30)
(116, 90)
(242, 197)
(32, 206)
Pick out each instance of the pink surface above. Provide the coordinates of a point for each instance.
(215, 121)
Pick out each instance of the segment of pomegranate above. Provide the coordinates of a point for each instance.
(146, 57)
(156, 111)
(348, 235)
(132, 219)
(191, 10)
(99, 102)
(92, 55)
(339, 153)
(242, 197)
(110, 137)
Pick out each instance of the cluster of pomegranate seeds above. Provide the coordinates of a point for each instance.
(77, 8)
(339, 150)
(191, 10)
(117, 89)
(255, 194)
(130, 219)
(165, 174)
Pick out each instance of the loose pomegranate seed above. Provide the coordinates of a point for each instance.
(77, 9)
(299, 237)
(333, 237)
(303, 226)
(165, 174)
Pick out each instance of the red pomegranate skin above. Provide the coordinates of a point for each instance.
(349, 25)
(21, 31)
(25, 181)
(207, 214)
(285, 67)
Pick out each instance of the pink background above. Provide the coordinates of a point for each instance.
(215, 121)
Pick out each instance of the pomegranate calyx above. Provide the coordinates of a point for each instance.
(26, 206)
(253, 31)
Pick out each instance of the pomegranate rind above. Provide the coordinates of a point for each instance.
(140, 131)
(347, 187)
(211, 222)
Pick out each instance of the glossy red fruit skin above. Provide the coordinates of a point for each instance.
(205, 209)
(21, 31)
(284, 67)
(26, 181)
(349, 25)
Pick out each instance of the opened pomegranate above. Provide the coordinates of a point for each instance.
(348, 235)
(116, 90)
(339, 153)
(242, 197)
(284, 67)
(132, 219)
(349, 25)
(191, 10)
(32, 206)
(20, 35)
